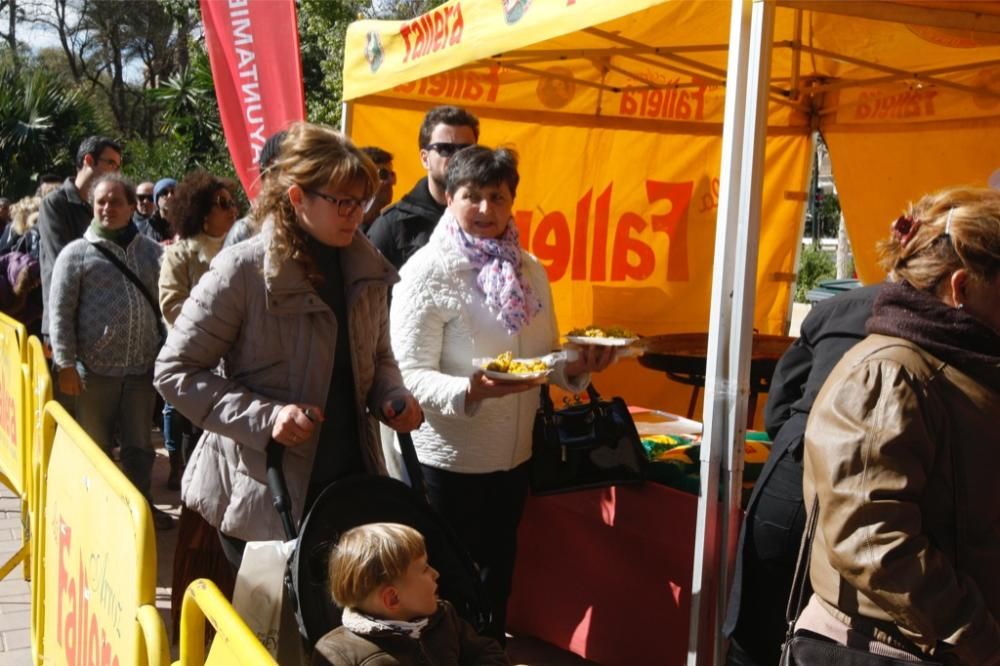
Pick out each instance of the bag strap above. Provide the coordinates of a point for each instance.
(548, 408)
(796, 599)
(134, 279)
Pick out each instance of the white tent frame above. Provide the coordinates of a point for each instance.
(737, 243)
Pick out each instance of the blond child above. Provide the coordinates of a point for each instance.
(380, 576)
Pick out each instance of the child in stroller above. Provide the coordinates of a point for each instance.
(380, 576)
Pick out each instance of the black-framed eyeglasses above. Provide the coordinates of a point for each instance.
(111, 163)
(144, 197)
(385, 175)
(345, 205)
(225, 204)
(445, 149)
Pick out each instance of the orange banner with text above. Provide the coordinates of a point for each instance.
(623, 221)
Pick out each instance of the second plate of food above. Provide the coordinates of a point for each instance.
(613, 336)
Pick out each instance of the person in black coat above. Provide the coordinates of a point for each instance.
(405, 227)
(775, 518)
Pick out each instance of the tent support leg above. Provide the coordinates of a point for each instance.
(731, 321)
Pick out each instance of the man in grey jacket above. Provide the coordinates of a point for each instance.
(66, 213)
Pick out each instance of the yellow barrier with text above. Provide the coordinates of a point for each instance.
(39, 392)
(12, 336)
(234, 643)
(13, 414)
(99, 578)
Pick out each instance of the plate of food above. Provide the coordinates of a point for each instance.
(610, 336)
(509, 369)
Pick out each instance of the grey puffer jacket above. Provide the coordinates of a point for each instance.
(276, 340)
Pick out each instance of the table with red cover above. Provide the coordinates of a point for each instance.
(606, 573)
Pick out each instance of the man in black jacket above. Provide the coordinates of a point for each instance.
(405, 228)
(66, 212)
(775, 518)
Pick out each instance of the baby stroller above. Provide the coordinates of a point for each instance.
(355, 501)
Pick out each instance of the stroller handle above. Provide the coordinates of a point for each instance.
(282, 499)
(279, 489)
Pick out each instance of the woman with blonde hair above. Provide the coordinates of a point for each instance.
(902, 446)
(298, 317)
(21, 235)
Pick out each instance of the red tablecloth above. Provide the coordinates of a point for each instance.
(607, 573)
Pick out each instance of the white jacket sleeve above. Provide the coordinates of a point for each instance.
(418, 323)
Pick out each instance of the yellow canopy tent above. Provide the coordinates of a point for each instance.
(640, 123)
(617, 109)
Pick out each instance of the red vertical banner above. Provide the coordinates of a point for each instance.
(253, 46)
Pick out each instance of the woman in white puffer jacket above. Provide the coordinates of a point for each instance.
(472, 292)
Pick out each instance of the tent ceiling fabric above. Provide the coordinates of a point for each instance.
(659, 66)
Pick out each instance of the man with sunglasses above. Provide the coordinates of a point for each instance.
(66, 213)
(405, 228)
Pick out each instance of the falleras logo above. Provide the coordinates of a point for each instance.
(374, 52)
(513, 10)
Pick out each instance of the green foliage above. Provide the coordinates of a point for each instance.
(42, 120)
(828, 213)
(814, 267)
(322, 30)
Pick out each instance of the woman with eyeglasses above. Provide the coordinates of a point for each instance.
(298, 318)
(902, 445)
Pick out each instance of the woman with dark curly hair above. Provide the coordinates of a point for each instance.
(298, 315)
(202, 212)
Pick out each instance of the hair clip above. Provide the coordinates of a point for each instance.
(947, 222)
(904, 229)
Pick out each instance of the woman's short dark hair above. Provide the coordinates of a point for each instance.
(193, 201)
(480, 166)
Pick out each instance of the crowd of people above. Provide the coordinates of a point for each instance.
(329, 318)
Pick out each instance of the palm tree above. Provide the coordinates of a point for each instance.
(42, 120)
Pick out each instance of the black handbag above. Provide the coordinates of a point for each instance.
(807, 648)
(584, 445)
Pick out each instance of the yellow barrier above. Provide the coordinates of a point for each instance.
(98, 553)
(234, 643)
(13, 459)
(39, 392)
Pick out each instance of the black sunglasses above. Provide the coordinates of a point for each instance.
(445, 149)
(144, 197)
(225, 204)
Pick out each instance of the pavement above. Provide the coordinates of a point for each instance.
(15, 592)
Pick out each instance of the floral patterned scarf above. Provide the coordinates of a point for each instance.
(498, 261)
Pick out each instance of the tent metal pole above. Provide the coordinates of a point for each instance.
(745, 291)
(715, 412)
(346, 117)
(731, 321)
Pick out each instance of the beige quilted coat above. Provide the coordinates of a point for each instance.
(275, 339)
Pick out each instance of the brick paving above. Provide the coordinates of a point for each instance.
(15, 592)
